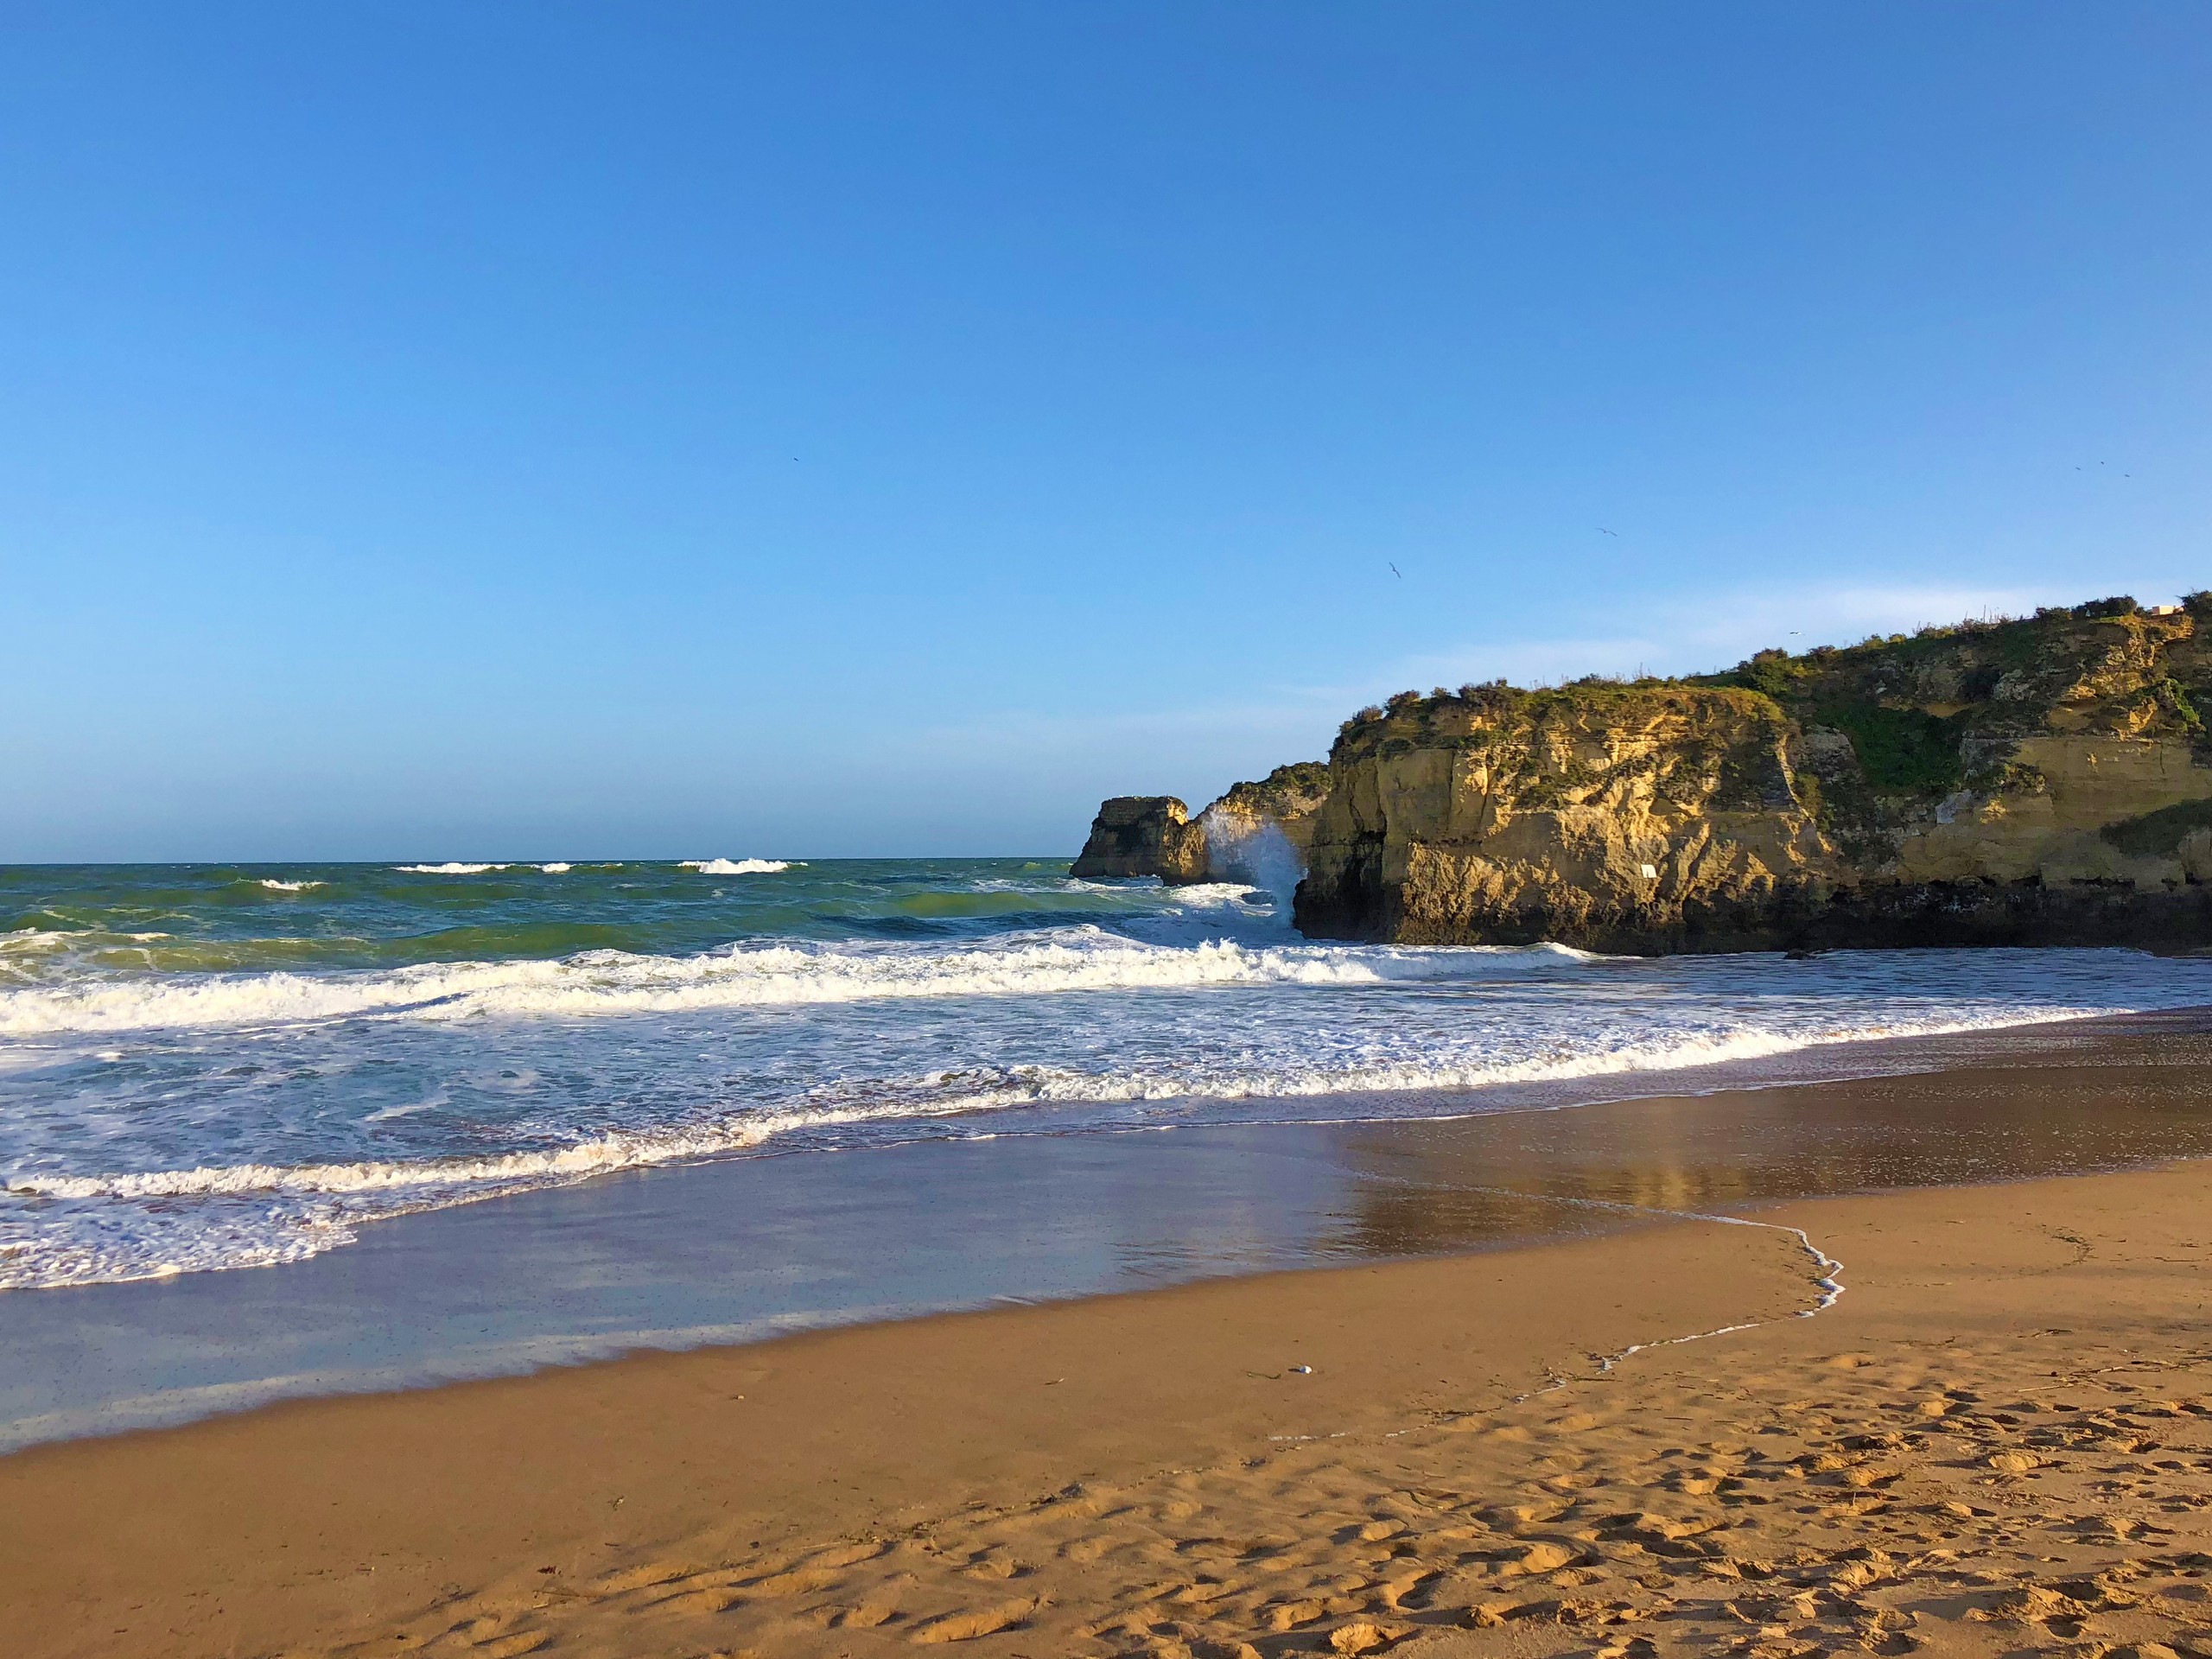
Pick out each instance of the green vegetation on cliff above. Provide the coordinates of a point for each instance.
(2022, 781)
(1724, 742)
(1924, 714)
(2109, 666)
(2044, 779)
(1290, 790)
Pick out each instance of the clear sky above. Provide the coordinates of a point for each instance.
(558, 430)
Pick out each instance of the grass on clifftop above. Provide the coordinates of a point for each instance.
(1910, 705)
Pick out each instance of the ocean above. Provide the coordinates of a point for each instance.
(210, 1067)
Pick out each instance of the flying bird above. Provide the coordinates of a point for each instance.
(1615, 534)
(1395, 571)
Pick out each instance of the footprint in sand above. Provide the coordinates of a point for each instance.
(965, 1627)
(638, 1578)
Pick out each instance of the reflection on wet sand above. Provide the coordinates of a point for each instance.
(2105, 1095)
(729, 1252)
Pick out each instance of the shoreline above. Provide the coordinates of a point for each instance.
(1127, 1473)
(746, 1249)
(110, 1191)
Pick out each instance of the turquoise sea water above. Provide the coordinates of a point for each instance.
(205, 1067)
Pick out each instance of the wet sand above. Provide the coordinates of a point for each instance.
(756, 1248)
(1996, 1440)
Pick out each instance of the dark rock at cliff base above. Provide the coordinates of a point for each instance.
(1143, 835)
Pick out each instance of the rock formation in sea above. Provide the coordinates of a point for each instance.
(1257, 833)
(2040, 780)
(1143, 835)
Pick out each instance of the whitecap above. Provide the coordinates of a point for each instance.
(569, 1070)
(736, 866)
(446, 869)
(556, 869)
(316, 1206)
(1210, 894)
(274, 886)
(750, 975)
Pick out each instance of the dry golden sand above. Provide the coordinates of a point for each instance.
(2000, 1440)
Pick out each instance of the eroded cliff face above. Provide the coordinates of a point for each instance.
(1257, 833)
(1590, 815)
(1289, 797)
(2045, 780)
(1143, 835)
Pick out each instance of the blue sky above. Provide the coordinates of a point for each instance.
(562, 430)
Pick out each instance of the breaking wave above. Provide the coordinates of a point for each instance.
(601, 983)
(183, 1088)
(260, 1214)
(1018, 1087)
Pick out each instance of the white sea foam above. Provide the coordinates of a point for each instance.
(261, 1215)
(274, 886)
(316, 1206)
(157, 1245)
(28, 939)
(162, 1113)
(1026, 1086)
(1210, 895)
(1610, 1056)
(556, 869)
(446, 869)
(614, 982)
(34, 955)
(34, 941)
(592, 1157)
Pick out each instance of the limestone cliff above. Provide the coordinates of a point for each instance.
(1257, 833)
(1143, 835)
(2038, 780)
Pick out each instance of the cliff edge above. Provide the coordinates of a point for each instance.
(2042, 780)
(1257, 833)
(1143, 835)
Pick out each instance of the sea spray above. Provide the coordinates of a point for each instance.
(1254, 850)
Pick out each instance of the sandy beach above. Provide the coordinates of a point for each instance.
(1994, 1441)
(1206, 831)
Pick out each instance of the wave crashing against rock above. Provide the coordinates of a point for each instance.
(2040, 780)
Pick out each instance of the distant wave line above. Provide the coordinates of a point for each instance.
(616, 982)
